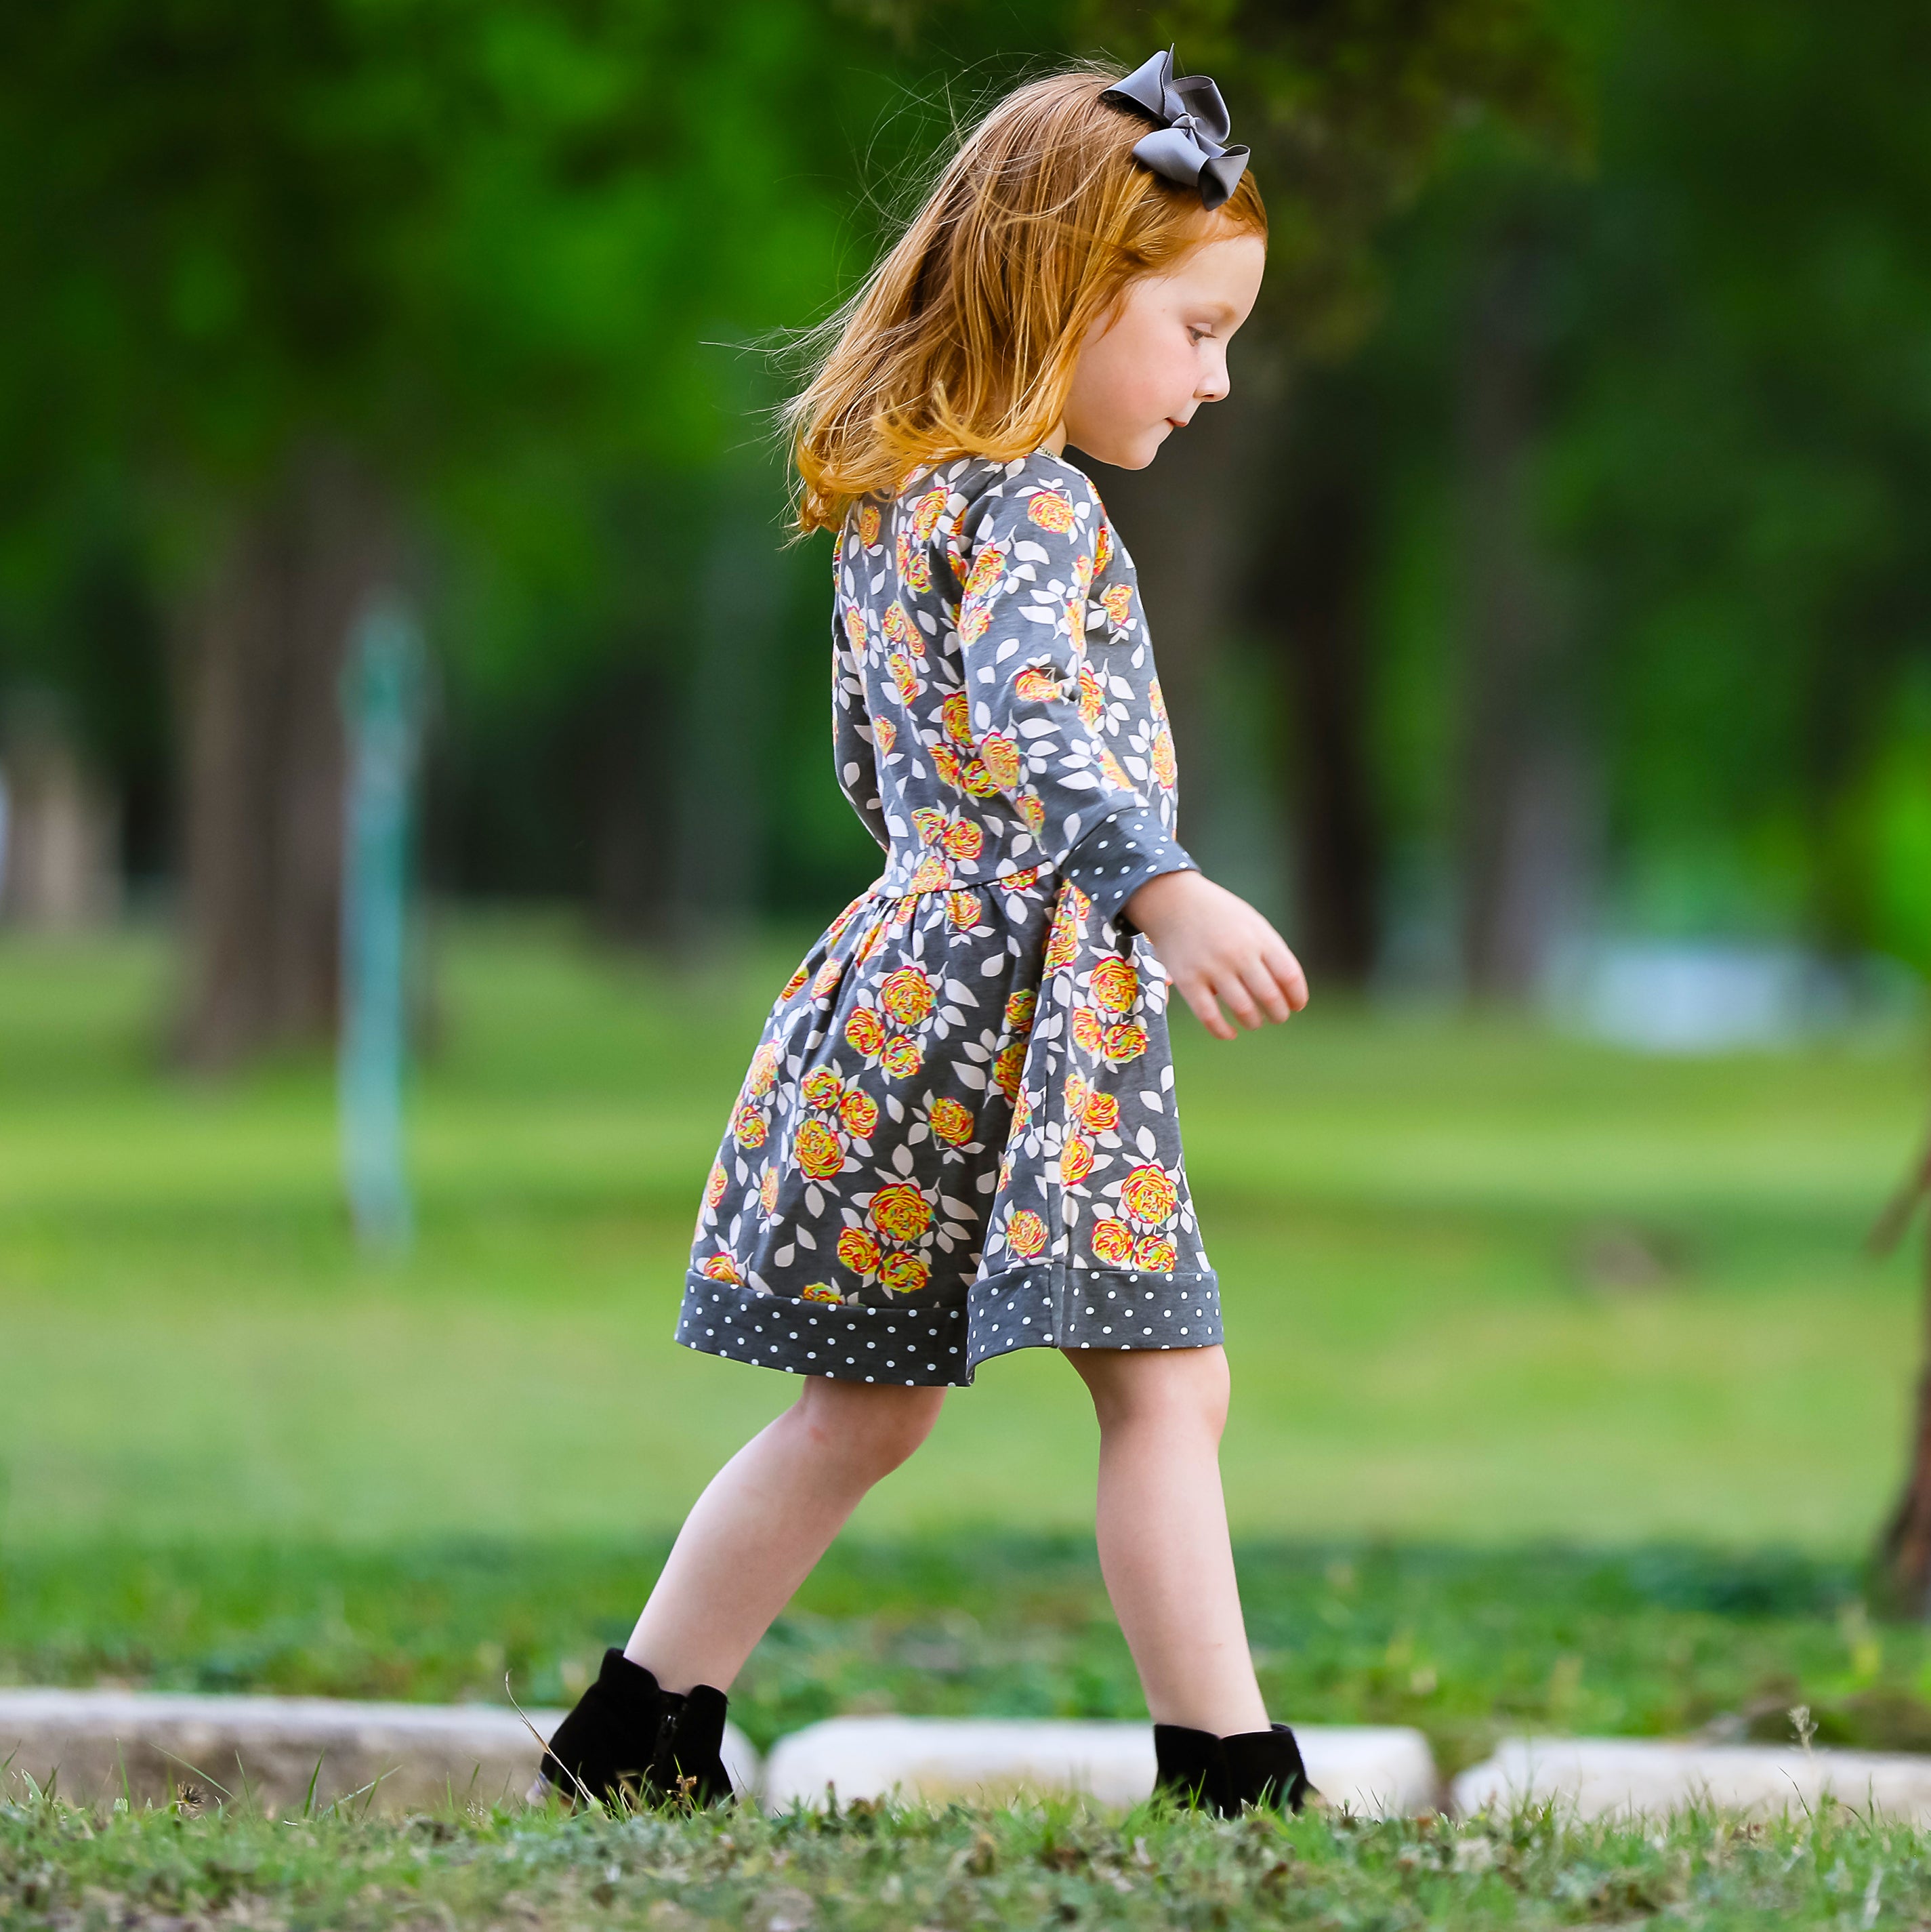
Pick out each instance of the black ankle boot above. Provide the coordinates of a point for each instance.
(688, 1761)
(1188, 1765)
(1226, 1774)
(608, 1744)
(1262, 1768)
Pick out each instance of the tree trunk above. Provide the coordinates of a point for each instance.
(1524, 792)
(259, 674)
(1314, 565)
(1904, 1553)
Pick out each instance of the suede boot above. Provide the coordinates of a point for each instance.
(1262, 1768)
(608, 1743)
(688, 1760)
(1227, 1775)
(1188, 1765)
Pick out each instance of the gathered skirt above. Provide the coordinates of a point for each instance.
(956, 1137)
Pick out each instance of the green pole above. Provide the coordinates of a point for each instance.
(382, 702)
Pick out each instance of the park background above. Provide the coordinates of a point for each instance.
(1547, 620)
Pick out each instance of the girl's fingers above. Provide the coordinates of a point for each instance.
(1199, 996)
(1267, 991)
(1287, 975)
(1233, 989)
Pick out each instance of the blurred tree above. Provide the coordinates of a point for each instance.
(297, 272)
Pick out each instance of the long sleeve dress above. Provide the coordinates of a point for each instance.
(957, 1135)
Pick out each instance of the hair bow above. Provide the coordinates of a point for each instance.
(1189, 145)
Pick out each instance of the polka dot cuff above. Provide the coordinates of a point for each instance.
(1125, 850)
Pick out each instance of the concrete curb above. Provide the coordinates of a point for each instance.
(1610, 1777)
(397, 1757)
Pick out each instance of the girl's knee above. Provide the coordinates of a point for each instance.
(869, 1428)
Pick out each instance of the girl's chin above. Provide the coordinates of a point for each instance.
(1134, 452)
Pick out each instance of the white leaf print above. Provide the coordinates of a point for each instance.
(895, 1106)
(1148, 1098)
(901, 1158)
(814, 1201)
(970, 1076)
(1149, 1146)
(806, 1238)
(784, 1257)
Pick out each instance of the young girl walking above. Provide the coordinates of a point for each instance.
(957, 1135)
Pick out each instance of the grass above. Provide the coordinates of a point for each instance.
(1057, 1865)
(1418, 1222)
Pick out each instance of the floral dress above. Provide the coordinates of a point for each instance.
(957, 1135)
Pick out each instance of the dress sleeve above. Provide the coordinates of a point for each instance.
(1036, 710)
(854, 746)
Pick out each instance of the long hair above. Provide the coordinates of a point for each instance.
(963, 339)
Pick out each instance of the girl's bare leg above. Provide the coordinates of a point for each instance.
(767, 1517)
(1163, 1543)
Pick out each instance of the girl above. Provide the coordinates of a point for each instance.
(957, 1135)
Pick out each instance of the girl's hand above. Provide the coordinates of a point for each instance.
(1217, 947)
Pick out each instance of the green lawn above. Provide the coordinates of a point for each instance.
(1404, 1210)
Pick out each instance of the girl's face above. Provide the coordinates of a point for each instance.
(1145, 368)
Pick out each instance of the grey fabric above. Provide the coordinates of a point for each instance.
(958, 1135)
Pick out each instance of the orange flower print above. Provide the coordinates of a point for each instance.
(904, 676)
(1156, 1253)
(820, 1291)
(868, 525)
(1116, 984)
(1117, 602)
(903, 1274)
(964, 839)
(1101, 1112)
(1156, 700)
(901, 1058)
(1020, 1009)
(859, 1251)
(720, 1268)
(1032, 810)
(900, 1212)
(929, 822)
(914, 568)
(791, 984)
(818, 1151)
(1023, 880)
(963, 909)
(946, 763)
(1113, 1241)
(900, 629)
(1148, 1193)
(1000, 756)
(1089, 1035)
(1102, 546)
(767, 1190)
(951, 1121)
(1008, 1067)
(859, 1112)
(1110, 768)
(988, 568)
(974, 620)
(1075, 1160)
(1124, 1042)
(1092, 696)
(1076, 1090)
(931, 875)
(1025, 1234)
(955, 714)
(1022, 1112)
(1051, 512)
(855, 628)
(927, 512)
(714, 1184)
(825, 982)
(1166, 767)
(1062, 941)
(907, 994)
(748, 1128)
(1082, 572)
(865, 1031)
(1035, 686)
(884, 735)
(763, 1074)
(821, 1087)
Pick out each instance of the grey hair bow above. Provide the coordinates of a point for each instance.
(1189, 145)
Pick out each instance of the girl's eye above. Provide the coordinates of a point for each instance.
(1198, 334)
